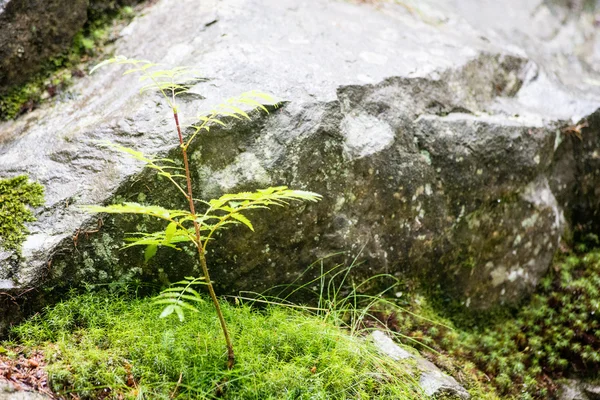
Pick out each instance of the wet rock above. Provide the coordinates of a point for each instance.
(584, 201)
(107, 6)
(33, 31)
(573, 389)
(439, 143)
(432, 380)
(9, 392)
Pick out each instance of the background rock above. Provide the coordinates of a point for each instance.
(99, 9)
(33, 31)
(573, 389)
(9, 392)
(435, 134)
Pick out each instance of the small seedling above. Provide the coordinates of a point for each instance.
(191, 226)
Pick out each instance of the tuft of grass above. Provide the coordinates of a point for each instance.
(111, 346)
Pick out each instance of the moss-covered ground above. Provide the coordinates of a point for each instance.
(101, 345)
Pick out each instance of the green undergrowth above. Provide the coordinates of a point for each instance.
(116, 347)
(58, 72)
(111, 346)
(554, 335)
(16, 194)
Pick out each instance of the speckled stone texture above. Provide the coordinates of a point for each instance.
(33, 31)
(435, 383)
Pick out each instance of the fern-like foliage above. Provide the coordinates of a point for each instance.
(228, 209)
(181, 296)
(171, 82)
(176, 81)
(232, 107)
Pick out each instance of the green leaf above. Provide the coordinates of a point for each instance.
(138, 155)
(179, 296)
(184, 289)
(144, 239)
(107, 62)
(179, 312)
(176, 303)
(135, 208)
(243, 220)
(167, 311)
(170, 231)
(150, 252)
(148, 242)
(254, 103)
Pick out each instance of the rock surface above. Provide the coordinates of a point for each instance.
(9, 392)
(435, 132)
(432, 380)
(31, 32)
(573, 389)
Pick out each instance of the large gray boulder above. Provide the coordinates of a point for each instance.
(435, 133)
(9, 392)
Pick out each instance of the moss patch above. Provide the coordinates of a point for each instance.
(15, 195)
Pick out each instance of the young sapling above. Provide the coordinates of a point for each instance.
(193, 226)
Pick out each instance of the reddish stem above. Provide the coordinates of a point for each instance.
(201, 255)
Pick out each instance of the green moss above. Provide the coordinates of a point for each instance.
(15, 195)
(101, 345)
(57, 73)
(555, 334)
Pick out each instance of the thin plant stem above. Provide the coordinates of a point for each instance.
(201, 255)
